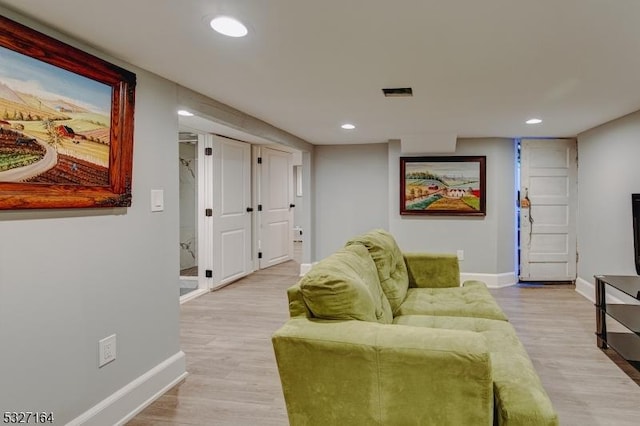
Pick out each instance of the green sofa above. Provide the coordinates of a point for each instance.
(381, 337)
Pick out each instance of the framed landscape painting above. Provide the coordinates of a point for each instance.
(66, 124)
(443, 186)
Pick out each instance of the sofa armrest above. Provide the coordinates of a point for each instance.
(430, 270)
(356, 372)
(297, 305)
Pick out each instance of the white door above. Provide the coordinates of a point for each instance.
(276, 203)
(231, 220)
(548, 200)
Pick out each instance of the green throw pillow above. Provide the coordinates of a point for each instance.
(345, 286)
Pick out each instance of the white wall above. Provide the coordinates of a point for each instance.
(608, 173)
(71, 277)
(357, 188)
(488, 242)
(350, 188)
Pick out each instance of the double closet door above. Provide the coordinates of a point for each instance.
(249, 224)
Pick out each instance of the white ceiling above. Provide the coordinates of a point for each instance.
(477, 68)
(202, 125)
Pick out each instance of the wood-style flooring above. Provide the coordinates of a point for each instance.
(233, 379)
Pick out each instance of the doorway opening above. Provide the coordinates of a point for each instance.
(188, 203)
(546, 175)
(241, 205)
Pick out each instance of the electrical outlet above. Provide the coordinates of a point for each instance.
(460, 254)
(106, 350)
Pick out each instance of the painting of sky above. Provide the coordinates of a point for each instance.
(31, 76)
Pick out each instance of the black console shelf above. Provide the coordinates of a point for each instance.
(627, 315)
(627, 345)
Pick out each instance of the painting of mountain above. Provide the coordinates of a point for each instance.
(9, 95)
(54, 124)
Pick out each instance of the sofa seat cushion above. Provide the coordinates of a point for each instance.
(519, 395)
(468, 301)
(500, 335)
(389, 261)
(345, 286)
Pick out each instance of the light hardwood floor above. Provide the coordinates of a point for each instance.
(234, 380)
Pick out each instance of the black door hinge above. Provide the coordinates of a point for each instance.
(208, 273)
(259, 255)
(208, 151)
(259, 160)
(259, 207)
(208, 212)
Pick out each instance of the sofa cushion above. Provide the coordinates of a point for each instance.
(519, 395)
(392, 271)
(345, 286)
(469, 301)
(498, 334)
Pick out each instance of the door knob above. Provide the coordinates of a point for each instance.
(292, 206)
(249, 209)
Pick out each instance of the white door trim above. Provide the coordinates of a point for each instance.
(205, 200)
(548, 205)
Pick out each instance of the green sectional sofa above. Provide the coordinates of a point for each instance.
(381, 337)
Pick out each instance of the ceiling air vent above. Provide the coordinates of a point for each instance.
(398, 92)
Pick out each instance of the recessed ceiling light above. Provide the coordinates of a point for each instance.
(348, 126)
(534, 121)
(229, 26)
(185, 113)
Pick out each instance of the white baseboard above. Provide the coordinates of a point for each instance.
(305, 267)
(123, 405)
(192, 295)
(588, 291)
(492, 280)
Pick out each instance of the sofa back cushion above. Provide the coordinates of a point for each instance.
(345, 286)
(392, 270)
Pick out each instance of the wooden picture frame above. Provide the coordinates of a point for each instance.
(66, 124)
(445, 186)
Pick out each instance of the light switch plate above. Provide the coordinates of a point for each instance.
(157, 200)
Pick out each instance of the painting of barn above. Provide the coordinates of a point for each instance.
(65, 117)
(442, 185)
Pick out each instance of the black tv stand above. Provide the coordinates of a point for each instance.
(627, 345)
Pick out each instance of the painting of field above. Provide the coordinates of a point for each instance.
(54, 124)
(442, 185)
